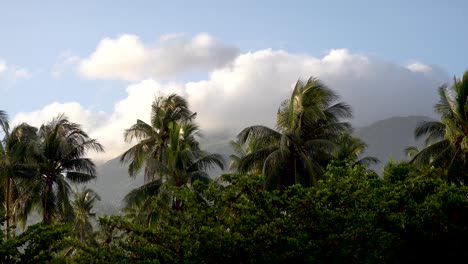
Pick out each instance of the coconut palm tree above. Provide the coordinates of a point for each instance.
(14, 154)
(139, 204)
(60, 158)
(83, 203)
(167, 151)
(308, 126)
(241, 151)
(446, 141)
(153, 138)
(182, 163)
(350, 149)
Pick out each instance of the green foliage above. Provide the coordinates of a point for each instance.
(38, 244)
(397, 172)
(352, 216)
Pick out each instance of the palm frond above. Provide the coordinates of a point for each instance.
(80, 177)
(433, 130)
(260, 133)
(272, 170)
(147, 190)
(368, 161)
(207, 161)
(4, 124)
(255, 159)
(140, 130)
(429, 153)
(411, 151)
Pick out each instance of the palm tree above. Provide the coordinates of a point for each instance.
(14, 154)
(138, 204)
(446, 141)
(308, 126)
(82, 205)
(154, 137)
(185, 161)
(59, 158)
(168, 150)
(241, 151)
(351, 149)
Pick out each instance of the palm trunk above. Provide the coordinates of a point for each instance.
(7, 205)
(82, 239)
(177, 204)
(13, 223)
(47, 210)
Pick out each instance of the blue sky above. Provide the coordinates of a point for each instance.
(34, 32)
(39, 36)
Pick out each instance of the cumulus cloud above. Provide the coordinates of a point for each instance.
(249, 91)
(128, 58)
(73, 110)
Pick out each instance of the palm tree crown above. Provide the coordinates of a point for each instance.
(167, 150)
(351, 149)
(60, 158)
(447, 140)
(154, 137)
(308, 125)
(15, 149)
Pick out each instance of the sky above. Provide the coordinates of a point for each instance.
(103, 62)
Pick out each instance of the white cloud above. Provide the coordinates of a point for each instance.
(128, 58)
(22, 73)
(73, 110)
(3, 66)
(13, 71)
(418, 67)
(65, 62)
(249, 90)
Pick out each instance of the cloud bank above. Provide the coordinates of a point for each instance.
(128, 58)
(249, 90)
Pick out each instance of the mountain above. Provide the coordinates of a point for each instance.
(388, 138)
(112, 184)
(385, 138)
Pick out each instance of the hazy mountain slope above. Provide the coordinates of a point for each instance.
(113, 183)
(389, 137)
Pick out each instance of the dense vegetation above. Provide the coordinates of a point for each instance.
(299, 193)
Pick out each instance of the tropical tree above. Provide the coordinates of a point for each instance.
(351, 149)
(60, 158)
(153, 138)
(308, 126)
(446, 141)
(241, 151)
(14, 154)
(83, 203)
(168, 150)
